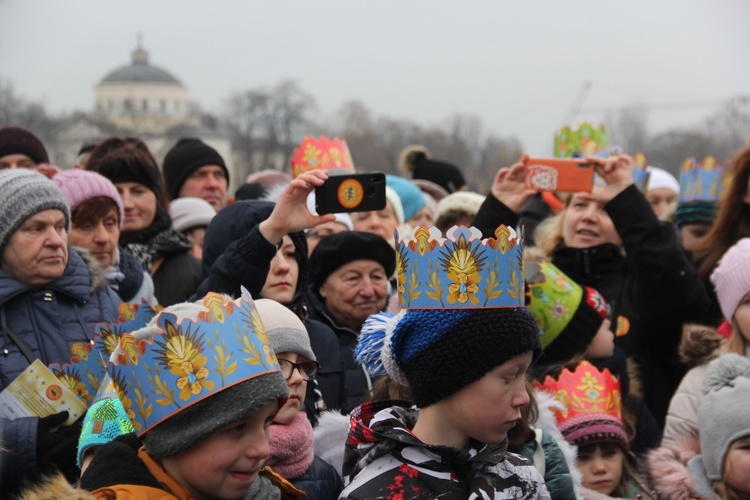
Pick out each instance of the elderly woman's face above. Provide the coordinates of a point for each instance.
(37, 252)
(354, 291)
(138, 204)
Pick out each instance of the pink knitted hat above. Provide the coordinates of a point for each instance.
(732, 277)
(80, 185)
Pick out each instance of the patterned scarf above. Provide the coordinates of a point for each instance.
(157, 240)
(291, 445)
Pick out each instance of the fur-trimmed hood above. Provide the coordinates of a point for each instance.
(97, 278)
(699, 345)
(54, 487)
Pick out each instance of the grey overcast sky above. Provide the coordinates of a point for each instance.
(520, 66)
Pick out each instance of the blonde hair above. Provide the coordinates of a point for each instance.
(549, 233)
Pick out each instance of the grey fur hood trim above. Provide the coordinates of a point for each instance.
(96, 273)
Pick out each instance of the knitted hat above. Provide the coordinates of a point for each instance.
(231, 372)
(415, 159)
(732, 277)
(410, 195)
(119, 163)
(339, 249)
(187, 213)
(724, 415)
(696, 212)
(569, 315)
(105, 420)
(185, 157)
(392, 197)
(80, 185)
(250, 191)
(24, 193)
(286, 332)
(18, 140)
(660, 178)
(462, 201)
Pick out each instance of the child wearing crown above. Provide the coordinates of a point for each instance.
(592, 420)
(201, 385)
(463, 344)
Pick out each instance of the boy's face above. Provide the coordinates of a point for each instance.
(488, 408)
(225, 464)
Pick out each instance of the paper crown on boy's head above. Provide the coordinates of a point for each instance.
(568, 315)
(701, 181)
(188, 353)
(460, 271)
(321, 153)
(593, 405)
(582, 141)
(88, 363)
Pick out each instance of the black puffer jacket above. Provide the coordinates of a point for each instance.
(235, 254)
(320, 481)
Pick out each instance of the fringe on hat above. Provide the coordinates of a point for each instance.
(410, 156)
(373, 350)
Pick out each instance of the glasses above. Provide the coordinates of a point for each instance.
(308, 369)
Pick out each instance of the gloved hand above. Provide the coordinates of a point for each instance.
(57, 449)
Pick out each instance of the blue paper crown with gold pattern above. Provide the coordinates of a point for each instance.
(88, 363)
(184, 362)
(461, 270)
(701, 181)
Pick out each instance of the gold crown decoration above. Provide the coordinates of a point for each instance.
(184, 362)
(460, 270)
(321, 153)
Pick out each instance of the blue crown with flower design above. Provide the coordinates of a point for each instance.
(701, 181)
(88, 363)
(180, 363)
(461, 270)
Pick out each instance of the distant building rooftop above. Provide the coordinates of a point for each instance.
(139, 70)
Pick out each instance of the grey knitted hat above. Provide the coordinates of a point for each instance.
(724, 415)
(286, 332)
(24, 193)
(190, 426)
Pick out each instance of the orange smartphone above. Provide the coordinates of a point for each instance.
(561, 175)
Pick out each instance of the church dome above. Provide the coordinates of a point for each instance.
(139, 70)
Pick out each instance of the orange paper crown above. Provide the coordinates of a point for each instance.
(593, 405)
(322, 153)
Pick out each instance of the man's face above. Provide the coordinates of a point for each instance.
(37, 252)
(208, 182)
(16, 160)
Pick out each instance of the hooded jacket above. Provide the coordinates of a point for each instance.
(235, 254)
(49, 319)
(652, 289)
(383, 459)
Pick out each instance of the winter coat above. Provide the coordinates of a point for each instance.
(329, 438)
(553, 465)
(49, 319)
(128, 279)
(700, 344)
(652, 289)
(236, 254)
(385, 460)
(320, 481)
(123, 469)
(176, 279)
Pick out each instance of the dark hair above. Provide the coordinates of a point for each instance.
(630, 477)
(733, 221)
(128, 159)
(93, 209)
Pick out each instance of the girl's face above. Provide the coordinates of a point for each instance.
(138, 204)
(742, 317)
(601, 466)
(603, 344)
(737, 465)
(586, 223)
(297, 388)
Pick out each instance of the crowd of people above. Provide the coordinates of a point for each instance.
(453, 344)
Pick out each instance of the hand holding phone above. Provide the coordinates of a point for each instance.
(561, 175)
(351, 193)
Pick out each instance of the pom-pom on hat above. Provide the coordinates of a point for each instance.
(80, 185)
(724, 415)
(18, 140)
(731, 278)
(416, 160)
(24, 193)
(185, 157)
(189, 212)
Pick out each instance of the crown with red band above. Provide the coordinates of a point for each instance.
(321, 153)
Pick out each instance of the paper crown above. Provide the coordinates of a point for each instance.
(640, 170)
(583, 141)
(185, 362)
(88, 363)
(593, 405)
(461, 270)
(701, 181)
(322, 153)
(553, 298)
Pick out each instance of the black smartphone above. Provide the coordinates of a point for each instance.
(351, 193)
